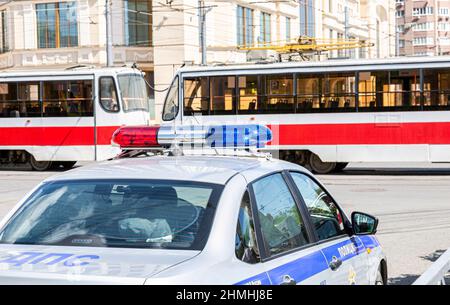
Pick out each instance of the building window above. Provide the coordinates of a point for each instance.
(288, 29)
(444, 41)
(138, 23)
(352, 52)
(422, 11)
(340, 38)
(443, 11)
(423, 53)
(4, 32)
(307, 8)
(444, 26)
(245, 26)
(422, 41)
(265, 32)
(57, 25)
(424, 26)
(399, 14)
(363, 51)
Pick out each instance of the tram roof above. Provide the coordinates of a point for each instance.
(76, 70)
(344, 64)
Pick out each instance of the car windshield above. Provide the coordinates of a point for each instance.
(111, 213)
(134, 92)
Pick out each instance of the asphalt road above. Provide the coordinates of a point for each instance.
(411, 201)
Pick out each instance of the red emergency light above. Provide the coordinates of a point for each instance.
(136, 137)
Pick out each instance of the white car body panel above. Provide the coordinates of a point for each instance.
(32, 264)
(215, 264)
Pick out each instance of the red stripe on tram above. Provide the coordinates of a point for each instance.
(362, 134)
(55, 136)
(297, 134)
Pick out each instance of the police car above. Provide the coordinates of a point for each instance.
(187, 219)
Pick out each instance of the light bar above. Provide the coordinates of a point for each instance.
(214, 136)
(136, 137)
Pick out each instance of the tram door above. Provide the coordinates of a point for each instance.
(107, 117)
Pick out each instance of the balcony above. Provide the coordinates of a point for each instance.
(64, 57)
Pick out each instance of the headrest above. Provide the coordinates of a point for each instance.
(166, 194)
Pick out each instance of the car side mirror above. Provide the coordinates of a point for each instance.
(364, 224)
(168, 117)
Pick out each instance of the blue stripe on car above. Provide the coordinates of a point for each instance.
(314, 263)
(369, 241)
(299, 269)
(260, 279)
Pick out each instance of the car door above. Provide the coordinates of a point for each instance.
(345, 254)
(250, 270)
(284, 239)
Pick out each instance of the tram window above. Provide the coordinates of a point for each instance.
(54, 98)
(8, 100)
(223, 94)
(436, 89)
(196, 98)
(404, 89)
(280, 93)
(60, 98)
(108, 94)
(134, 93)
(338, 92)
(79, 100)
(326, 92)
(250, 94)
(389, 90)
(28, 99)
(308, 93)
(170, 110)
(444, 88)
(19, 100)
(371, 85)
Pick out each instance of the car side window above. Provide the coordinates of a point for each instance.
(325, 215)
(281, 223)
(246, 247)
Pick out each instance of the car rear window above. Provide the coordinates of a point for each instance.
(115, 213)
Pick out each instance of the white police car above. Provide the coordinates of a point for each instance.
(187, 220)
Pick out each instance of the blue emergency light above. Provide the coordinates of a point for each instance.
(212, 136)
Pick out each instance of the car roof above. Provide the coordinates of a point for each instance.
(206, 169)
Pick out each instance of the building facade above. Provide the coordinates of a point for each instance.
(246, 23)
(160, 36)
(50, 33)
(229, 24)
(423, 27)
(369, 21)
